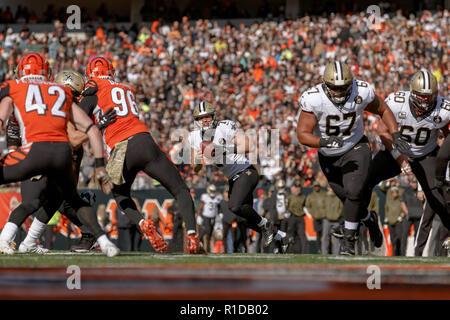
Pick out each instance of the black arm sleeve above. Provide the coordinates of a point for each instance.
(88, 104)
(4, 90)
(442, 158)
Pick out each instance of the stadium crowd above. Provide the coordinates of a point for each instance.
(253, 73)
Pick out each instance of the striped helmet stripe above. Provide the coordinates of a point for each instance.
(426, 80)
(339, 74)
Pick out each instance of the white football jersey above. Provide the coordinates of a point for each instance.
(224, 133)
(346, 121)
(211, 206)
(421, 133)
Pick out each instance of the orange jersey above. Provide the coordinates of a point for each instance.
(101, 95)
(40, 107)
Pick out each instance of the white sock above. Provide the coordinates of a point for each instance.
(351, 225)
(103, 241)
(9, 231)
(35, 232)
(279, 235)
(262, 222)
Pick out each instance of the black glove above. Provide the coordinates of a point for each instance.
(13, 134)
(331, 142)
(106, 119)
(399, 143)
(441, 183)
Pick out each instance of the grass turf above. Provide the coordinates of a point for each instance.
(65, 258)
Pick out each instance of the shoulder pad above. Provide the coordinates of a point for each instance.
(90, 88)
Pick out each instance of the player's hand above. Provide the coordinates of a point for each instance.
(403, 162)
(106, 119)
(399, 143)
(13, 134)
(331, 142)
(103, 179)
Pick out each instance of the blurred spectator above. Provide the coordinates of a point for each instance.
(394, 216)
(333, 209)
(296, 201)
(413, 210)
(316, 207)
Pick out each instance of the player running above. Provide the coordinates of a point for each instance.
(222, 145)
(331, 120)
(33, 191)
(132, 149)
(43, 109)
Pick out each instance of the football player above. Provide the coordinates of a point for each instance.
(420, 114)
(132, 149)
(33, 190)
(331, 119)
(220, 143)
(207, 211)
(43, 109)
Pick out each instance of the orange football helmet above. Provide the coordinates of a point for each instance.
(99, 67)
(33, 64)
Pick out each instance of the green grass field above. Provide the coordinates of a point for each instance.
(64, 258)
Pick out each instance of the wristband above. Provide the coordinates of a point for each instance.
(89, 128)
(395, 153)
(99, 162)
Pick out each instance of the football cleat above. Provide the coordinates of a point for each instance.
(86, 244)
(337, 231)
(5, 247)
(110, 250)
(156, 240)
(348, 243)
(374, 230)
(35, 248)
(268, 233)
(194, 246)
(283, 244)
(446, 245)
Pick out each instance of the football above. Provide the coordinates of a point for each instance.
(208, 149)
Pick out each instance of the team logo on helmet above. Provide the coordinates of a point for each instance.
(99, 67)
(437, 119)
(33, 64)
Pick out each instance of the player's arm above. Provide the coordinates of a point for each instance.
(442, 159)
(83, 123)
(200, 208)
(196, 156)
(78, 137)
(386, 139)
(305, 127)
(241, 143)
(378, 106)
(6, 108)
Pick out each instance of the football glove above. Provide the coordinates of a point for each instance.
(103, 179)
(13, 134)
(106, 119)
(331, 142)
(399, 143)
